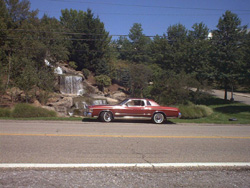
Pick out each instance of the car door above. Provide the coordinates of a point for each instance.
(135, 107)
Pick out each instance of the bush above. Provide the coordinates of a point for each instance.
(103, 81)
(86, 73)
(27, 111)
(4, 112)
(192, 111)
(72, 64)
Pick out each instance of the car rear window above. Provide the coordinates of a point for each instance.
(153, 103)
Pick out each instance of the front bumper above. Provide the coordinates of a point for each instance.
(87, 114)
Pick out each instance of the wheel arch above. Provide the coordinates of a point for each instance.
(105, 111)
(165, 116)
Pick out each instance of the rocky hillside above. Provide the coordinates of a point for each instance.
(73, 93)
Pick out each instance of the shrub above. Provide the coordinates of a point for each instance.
(4, 112)
(86, 73)
(103, 81)
(27, 111)
(72, 64)
(192, 111)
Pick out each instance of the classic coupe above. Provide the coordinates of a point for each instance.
(135, 108)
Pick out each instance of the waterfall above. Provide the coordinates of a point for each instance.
(71, 85)
(58, 70)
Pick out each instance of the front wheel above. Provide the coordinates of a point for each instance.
(158, 118)
(106, 117)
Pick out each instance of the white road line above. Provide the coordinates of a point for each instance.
(122, 165)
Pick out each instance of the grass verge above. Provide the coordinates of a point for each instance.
(29, 111)
(222, 112)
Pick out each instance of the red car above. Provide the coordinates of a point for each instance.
(133, 108)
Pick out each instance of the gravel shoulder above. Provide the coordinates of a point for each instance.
(136, 177)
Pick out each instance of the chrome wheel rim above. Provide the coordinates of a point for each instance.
(158, 118)
(107, 117)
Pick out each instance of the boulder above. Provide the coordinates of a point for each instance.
(14, 91)
(118, 95)
(66, 102)
(111, 101)
(6, 97)
(36, 103)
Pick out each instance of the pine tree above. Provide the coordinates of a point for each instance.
(227, 53)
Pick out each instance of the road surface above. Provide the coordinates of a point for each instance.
(121, 142)
(61, 142)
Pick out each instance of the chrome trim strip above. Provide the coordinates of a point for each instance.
(132, 117)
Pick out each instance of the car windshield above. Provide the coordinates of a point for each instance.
(123, 102)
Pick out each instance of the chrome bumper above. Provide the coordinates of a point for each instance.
(87, 114)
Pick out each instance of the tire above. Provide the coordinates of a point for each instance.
(106, 117)
(158, 118)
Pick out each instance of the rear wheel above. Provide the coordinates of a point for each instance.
(106, 116)
(158, 118)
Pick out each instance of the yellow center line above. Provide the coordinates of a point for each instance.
(120, 136)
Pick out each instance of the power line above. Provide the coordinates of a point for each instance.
(147, 6)
(150, 14)
(69, 33)
(38, 38)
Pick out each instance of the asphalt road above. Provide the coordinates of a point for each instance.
(121, 142)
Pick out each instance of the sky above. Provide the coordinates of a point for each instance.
(155, 16)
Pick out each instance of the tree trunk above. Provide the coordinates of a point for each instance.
(225, 96)
(8, 79)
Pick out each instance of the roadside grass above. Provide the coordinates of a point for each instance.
(46, 118)
(23, 110)
(223, 111)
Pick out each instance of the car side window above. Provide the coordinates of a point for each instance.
(148, 103)
(136, 103)
(130, 103)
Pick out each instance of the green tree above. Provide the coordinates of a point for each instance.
(29, 42)
(54, 41)
(246, 48)
(89, 46)
(159, 51)
(124, 48)
(140, 76)
(173, 88)
(177, 56)
(15, 15)
(136, 48)
(228, 41)
(3, 41)
(139, 44)
(27, 79)
(199, 49)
